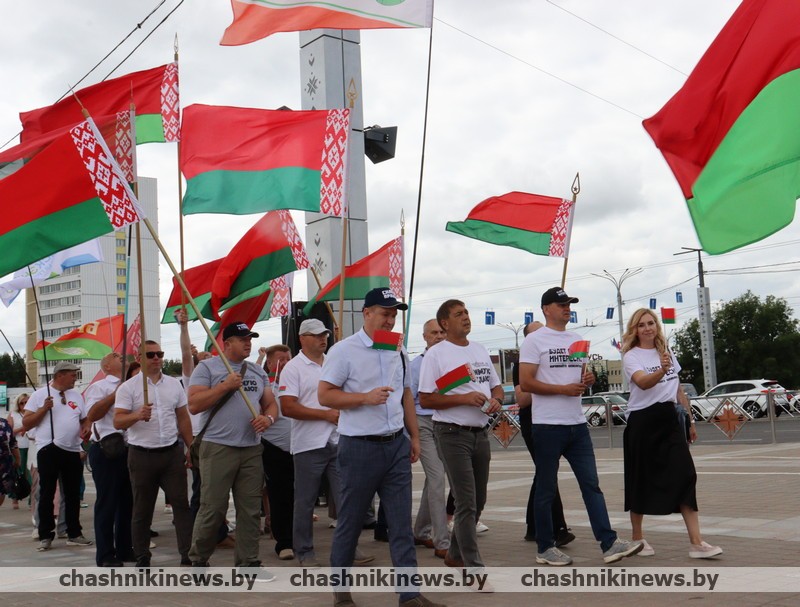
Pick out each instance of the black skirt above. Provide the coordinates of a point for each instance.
(659, 470)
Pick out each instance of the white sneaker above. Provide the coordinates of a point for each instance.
(450, 526)
(704, 550)
(647, 549)
(287, 554)
(167, 509)
(620, 549)
(481, 528)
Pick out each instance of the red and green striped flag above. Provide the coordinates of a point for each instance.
(198, 281)
(668, 316)
(271, 248)
(244, 160)
(387, 340)
(257, 19)
(70, 192)
(453, 379)
(383, 268)
(93, 341)
(249, 312)
(578, 350)
(153, 92)
(541, 225)
(730, 133)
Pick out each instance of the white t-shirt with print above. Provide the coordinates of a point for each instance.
(549, 349)
(649, 360)
(445, 357)
(67, 416)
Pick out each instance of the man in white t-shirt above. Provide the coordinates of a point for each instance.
(58, 413)
(114, 504)
(460, 422)
(559, 428)
(155, 456)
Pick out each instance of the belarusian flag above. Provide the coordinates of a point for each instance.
(730, 133)
(49, 267)
(244, 160)
(668, 316)
(153, 92)
(271, 248)
(249, 312)
(198, 281)
(538, 224)
(70, 192)
(578, 349)
(256, 19)
(383, 268)
(455, 378)
(281, 298)
(93, 340)
(387, 340)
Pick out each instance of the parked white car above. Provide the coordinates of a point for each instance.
(594, 408)
(749, 394)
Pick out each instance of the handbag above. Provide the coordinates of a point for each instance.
(194, 448)
(22, 486)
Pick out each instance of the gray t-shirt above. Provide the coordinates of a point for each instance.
(231, 425)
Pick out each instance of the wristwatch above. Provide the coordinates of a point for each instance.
(271, 419)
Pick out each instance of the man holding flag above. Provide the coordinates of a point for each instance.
(552, 367)
(366, 378)
(459, 383)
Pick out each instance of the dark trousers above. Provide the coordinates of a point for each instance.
(559, 522)
(113, 507)
(53, 461)
(279, 473)
(150, 471)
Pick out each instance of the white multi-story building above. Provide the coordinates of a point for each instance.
(98, 290)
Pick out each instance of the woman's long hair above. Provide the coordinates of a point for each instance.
(631, 338)
(24, 395)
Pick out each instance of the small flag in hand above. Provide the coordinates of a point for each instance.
(579, 349)
(452, 379)
(387, 340)
(668, 316)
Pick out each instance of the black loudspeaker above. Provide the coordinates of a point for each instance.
(290, 325)
(379, 143)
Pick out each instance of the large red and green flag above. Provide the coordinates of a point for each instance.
(730, 133)
(387, 340)
(271, 248)
(383, 268)
(578, 350)
(70, 192)
(668, 316)
(257, 19)
(93, 340)
(538, 224)
(453, 379)
(249, 312)
(198, 282)
(246, 160)
(153, 92)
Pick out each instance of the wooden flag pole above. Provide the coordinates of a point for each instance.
(196, 309)
(345, 221)
(180, 197)
(139, 271)
(576, 189)
(337, 331)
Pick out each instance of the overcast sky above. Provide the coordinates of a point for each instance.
(523, 95)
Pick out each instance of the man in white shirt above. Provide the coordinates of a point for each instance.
(460, 423)
(114, 504)
(559, 428)
(58, 413)
(155, 455)
(430, 526)
(371, 390)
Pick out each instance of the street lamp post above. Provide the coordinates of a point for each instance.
(515, 328)
(617, 282)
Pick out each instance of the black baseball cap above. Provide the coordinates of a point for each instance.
(557, 295)
(383, 297)
(237, 329)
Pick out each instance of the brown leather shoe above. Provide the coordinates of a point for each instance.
(427, 542)
(343, 599)
(440, 553)
(451, 562)
(421, 601)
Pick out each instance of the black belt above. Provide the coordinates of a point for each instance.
(474, 429)
(154, 449)
(380, 438)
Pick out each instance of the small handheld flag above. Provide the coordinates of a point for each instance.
(452, 379)
(668, 316)
(387, 340)
(578, 350)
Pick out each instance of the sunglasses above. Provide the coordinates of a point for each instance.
(63, 398)
(158, 354)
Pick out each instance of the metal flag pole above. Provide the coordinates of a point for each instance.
(576, 189)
